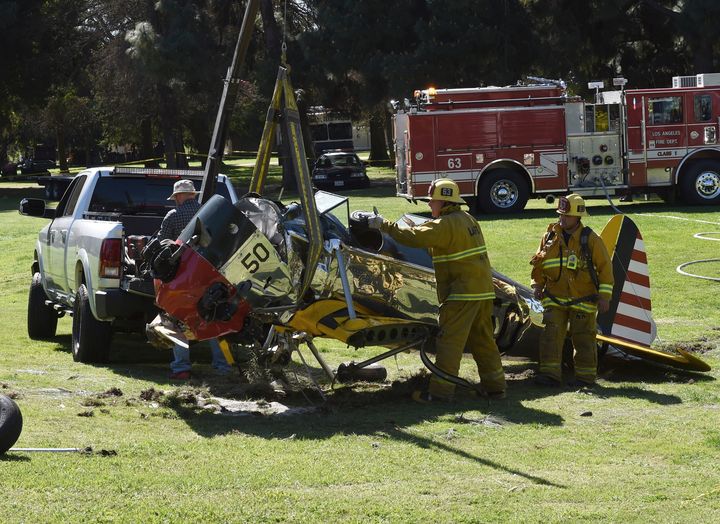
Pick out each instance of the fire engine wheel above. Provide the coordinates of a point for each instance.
(502, 191)
(701, 183)
(90, 337)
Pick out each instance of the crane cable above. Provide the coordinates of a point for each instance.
(283, 46)
(701, 236)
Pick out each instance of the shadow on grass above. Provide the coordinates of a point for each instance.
(388, 412)
(377, 411)
(618, 370)
(9, 457)
(385, 413)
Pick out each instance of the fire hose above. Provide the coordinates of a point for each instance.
(701, 236)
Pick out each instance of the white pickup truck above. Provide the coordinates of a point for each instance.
(87, 258)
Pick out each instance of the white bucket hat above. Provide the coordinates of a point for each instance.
(183, 186)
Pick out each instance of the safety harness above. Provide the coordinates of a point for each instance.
(585, 253)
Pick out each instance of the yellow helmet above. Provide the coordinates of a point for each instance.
(572, 205)
(445, 189)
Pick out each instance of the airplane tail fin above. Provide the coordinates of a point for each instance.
(628, 325)
(630, 314)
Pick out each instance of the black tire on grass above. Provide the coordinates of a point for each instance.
(90, 337)
(10, 423)
(41, 319)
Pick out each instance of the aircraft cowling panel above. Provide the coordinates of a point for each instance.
(180, 297)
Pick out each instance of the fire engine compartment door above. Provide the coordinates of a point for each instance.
(594, 156)
(702, 125)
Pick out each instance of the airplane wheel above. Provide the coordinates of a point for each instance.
(10, 423)
(349, 372)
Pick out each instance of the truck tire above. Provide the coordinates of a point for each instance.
(700, 183)
(41, 318)
(10, 423)
(90, 337)
(502, 191)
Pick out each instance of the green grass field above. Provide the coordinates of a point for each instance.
(643, 447)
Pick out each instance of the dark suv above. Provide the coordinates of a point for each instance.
(336, 170)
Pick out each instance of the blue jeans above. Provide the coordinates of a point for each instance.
(181, 361)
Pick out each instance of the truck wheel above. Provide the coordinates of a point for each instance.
(700, 184)
(502, 191)
(41, 318)
(10, 423)
(90, 337)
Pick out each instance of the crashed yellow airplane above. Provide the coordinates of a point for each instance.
(237, 269)
(243, 266)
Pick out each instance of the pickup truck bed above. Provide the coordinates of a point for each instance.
(87, 260)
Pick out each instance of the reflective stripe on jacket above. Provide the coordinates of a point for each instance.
(551, 271)
(457, 246)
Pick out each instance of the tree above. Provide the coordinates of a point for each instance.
(693, 23)
(391, 48)
(41, 47)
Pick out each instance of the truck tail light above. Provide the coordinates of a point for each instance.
(110, 259)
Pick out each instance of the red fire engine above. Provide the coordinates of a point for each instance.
(504, 144)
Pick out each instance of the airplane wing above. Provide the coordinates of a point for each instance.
(628, 325)
(683, 359)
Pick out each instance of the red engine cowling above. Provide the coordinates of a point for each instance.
(182, 296)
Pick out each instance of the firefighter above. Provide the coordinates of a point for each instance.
(464, 288)
(572, 275)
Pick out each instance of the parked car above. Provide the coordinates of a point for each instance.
(31, 165)
(9, 169)
(339, 170)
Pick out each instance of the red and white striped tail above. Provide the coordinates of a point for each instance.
(630, 315)
(633, 317)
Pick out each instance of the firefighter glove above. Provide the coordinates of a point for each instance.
(375, 221)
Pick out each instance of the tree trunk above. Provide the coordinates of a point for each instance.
(703, 54)
(181, 159)
(378, 145)
(61, 153)
(389, 134)
(270, 29)
(167, 111)
(146, 142)
(201, 136)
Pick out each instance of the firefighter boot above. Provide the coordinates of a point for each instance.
(551, 342)
(582, 331)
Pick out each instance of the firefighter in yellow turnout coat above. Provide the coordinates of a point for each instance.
(572, 275)
(464, 288)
